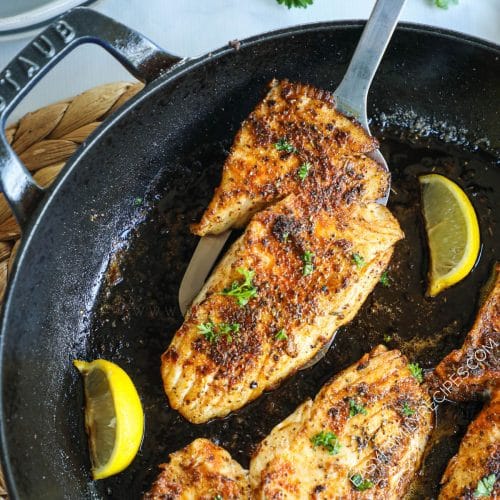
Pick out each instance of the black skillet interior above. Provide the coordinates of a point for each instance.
(434, 103)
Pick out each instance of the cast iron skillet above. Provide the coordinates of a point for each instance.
(98, 273)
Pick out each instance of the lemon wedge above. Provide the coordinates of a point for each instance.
(114, 419)
(452, 232)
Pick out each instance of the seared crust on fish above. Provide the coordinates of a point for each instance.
(380, 417)
(469, 372)
(258, 171)
(478, 456)
(200, 471)
(294, 312)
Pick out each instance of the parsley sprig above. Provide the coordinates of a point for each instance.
(443, 4)
(327, 440)
(296, 3)
(358, 260)
(359, 483)
(416, 371)
(303, 170)
(385, 280)
(485, 486)
(307, 259)
(284, 145)
(407, 410)
(281, 335)
(213, 332)
(356, 408)
(244, 291)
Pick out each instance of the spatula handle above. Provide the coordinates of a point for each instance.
(351, 94)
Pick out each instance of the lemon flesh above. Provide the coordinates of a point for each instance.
(114, 419)
(452, 232)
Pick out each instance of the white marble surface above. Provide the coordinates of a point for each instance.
(193, 27)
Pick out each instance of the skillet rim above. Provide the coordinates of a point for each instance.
(165, 79)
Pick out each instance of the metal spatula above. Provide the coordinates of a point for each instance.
(350, 97)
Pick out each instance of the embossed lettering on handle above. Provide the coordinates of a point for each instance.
(17, 75)
(145, 60)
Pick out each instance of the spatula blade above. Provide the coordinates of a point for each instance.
(202, 261)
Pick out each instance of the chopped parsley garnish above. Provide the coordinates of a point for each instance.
(138, 201)
(485, 486)
(443, 4)
(358, 260)
(308, 263)
(303, 171)
(213, 332)
(284, 145)
(359, 483)
(296, 3)
(244, 291)
(385, 280)
(356, 408)
(208, 331)
(407, 411)
(281, 335)
(416, 371)
(218, 497)
(387, 337)
(327, 440)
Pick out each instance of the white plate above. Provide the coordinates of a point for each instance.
(17, 16)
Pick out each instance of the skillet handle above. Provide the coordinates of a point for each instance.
(145, 60)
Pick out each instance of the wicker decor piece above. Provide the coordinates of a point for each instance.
(44, 140)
